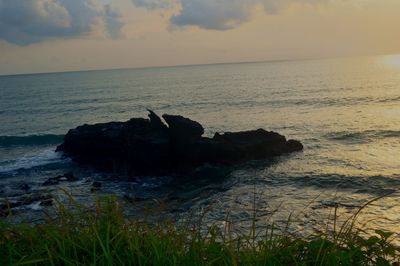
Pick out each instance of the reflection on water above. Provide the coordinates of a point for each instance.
(391, 61)
(345, 111)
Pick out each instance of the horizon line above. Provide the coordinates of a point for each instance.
(192, 65)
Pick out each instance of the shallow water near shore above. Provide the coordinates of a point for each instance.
(346, 112)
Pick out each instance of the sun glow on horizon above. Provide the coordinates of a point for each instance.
(391, 61)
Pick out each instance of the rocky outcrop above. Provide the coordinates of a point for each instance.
(183, 129)
(9, 205)
(150, 147)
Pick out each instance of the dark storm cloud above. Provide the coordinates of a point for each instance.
(113, 22)
(25, 22)
(218, 14)
(213, 14)
(155, 4)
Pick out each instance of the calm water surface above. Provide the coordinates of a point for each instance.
(345, 111)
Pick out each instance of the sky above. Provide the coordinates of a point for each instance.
(69, 35)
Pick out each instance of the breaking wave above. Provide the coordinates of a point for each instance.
(362, 136)
(29, 161)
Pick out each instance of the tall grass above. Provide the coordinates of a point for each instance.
(82, 236)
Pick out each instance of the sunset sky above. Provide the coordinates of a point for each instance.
(64, 35)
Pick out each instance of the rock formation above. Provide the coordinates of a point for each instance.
(150, 147)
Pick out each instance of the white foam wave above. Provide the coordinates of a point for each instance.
(30, 160)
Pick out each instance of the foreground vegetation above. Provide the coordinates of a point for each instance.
(104, 237)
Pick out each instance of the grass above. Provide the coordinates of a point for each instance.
(82, 236)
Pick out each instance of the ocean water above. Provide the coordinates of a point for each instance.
(345, 111)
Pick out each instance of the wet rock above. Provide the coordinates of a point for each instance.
(67, 177)
(46, 202)
(70, 177)
(96, 186)
(128, 197)
(295, 145)
(131, 198)
(51, 181)
(149, 147)
(182, 128)
(155, 120)
(257, 144)
(24, 187)
(7, 205)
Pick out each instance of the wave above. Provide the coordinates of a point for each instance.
(43, 157)
(30, 140)
(362, 136)
(389, 100)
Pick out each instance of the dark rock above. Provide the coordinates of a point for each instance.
(148, 147)
(25, 187)
(46, 202)
(182, 128)
(155, 120)
(95, 186)
(13, 202)
(294, 145)
(56, 180)
(70, 177)
(256, 144)
(51, 181)
(129, 197)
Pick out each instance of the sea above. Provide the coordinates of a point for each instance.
(346, 112)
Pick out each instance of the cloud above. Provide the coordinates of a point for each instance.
(155, 4)
(24, 22)
(113, 22)
(213, 14)
(227, 14)
(218, 14)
